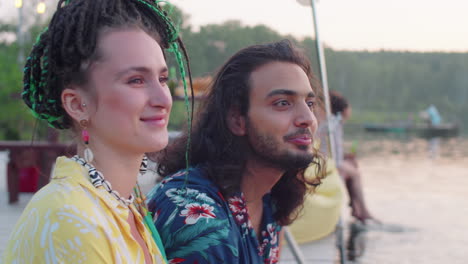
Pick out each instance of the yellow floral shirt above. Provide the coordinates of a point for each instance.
(71, 221)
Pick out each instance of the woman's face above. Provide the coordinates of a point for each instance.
(129, 101)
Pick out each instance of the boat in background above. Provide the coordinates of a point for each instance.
(443, 130)
(425, 131)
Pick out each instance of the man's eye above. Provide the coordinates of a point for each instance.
(282, 103)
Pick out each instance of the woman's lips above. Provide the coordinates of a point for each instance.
(155, 120)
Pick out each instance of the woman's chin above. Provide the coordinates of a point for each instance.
(157, 145)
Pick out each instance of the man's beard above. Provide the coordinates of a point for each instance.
(266, 149)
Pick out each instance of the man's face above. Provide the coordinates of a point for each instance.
(280, 122)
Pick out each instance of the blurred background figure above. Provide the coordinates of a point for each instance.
(433, 119)
(431, 116)
(346, 163)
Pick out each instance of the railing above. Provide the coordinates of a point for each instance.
(23, 154)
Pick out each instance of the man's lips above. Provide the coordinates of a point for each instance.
(301, 140)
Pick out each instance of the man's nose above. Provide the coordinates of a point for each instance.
(306, 118)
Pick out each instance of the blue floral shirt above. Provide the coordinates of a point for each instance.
(198, 225)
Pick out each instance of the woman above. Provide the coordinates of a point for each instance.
(98, 69)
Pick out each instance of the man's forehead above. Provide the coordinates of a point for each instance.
(280, 78)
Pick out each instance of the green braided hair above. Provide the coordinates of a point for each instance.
(62, 51)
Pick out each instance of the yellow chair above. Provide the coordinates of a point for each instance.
(322, 208)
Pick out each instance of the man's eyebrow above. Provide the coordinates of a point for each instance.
(141, 69)
(287, 92)
(281, 92)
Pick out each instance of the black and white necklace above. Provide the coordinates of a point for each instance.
(97, 179)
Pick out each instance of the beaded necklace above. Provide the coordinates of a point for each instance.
(97, 179)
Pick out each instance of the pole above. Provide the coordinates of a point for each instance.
(331, 141)
(294, 247)
(324, 78)
(19, 36)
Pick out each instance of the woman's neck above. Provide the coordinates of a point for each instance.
(120, 168)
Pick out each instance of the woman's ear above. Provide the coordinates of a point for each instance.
(74, 103)
(236, 122)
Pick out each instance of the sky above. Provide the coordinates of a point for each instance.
(416, 25)
(407, 25)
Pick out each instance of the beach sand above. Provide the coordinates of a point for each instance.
(426, 197)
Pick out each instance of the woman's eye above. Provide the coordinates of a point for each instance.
(136, 81)
(163, 80)
(311, 104)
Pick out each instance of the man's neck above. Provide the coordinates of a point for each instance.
(258, 179)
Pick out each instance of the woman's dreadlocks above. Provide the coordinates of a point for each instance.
(63, 50)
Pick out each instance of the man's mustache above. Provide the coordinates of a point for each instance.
(300, 131)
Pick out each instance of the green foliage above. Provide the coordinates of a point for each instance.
(385, 84)
(212, 45)
(382, 86)
(178, 117)
(15, 119)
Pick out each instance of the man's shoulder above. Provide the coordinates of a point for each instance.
(193, 219)
(184, 188)
(191, 180)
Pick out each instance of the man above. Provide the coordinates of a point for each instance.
(249, 148)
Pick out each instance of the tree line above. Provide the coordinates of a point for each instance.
(382, 86)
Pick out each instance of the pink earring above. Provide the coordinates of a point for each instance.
(88, 154)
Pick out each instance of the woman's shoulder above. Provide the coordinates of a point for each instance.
(68, 186)
(62, 198)
(59, 211)
(69, 193)
(61, 220)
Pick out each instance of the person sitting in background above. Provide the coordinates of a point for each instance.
(250, 147)
(347, 164)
